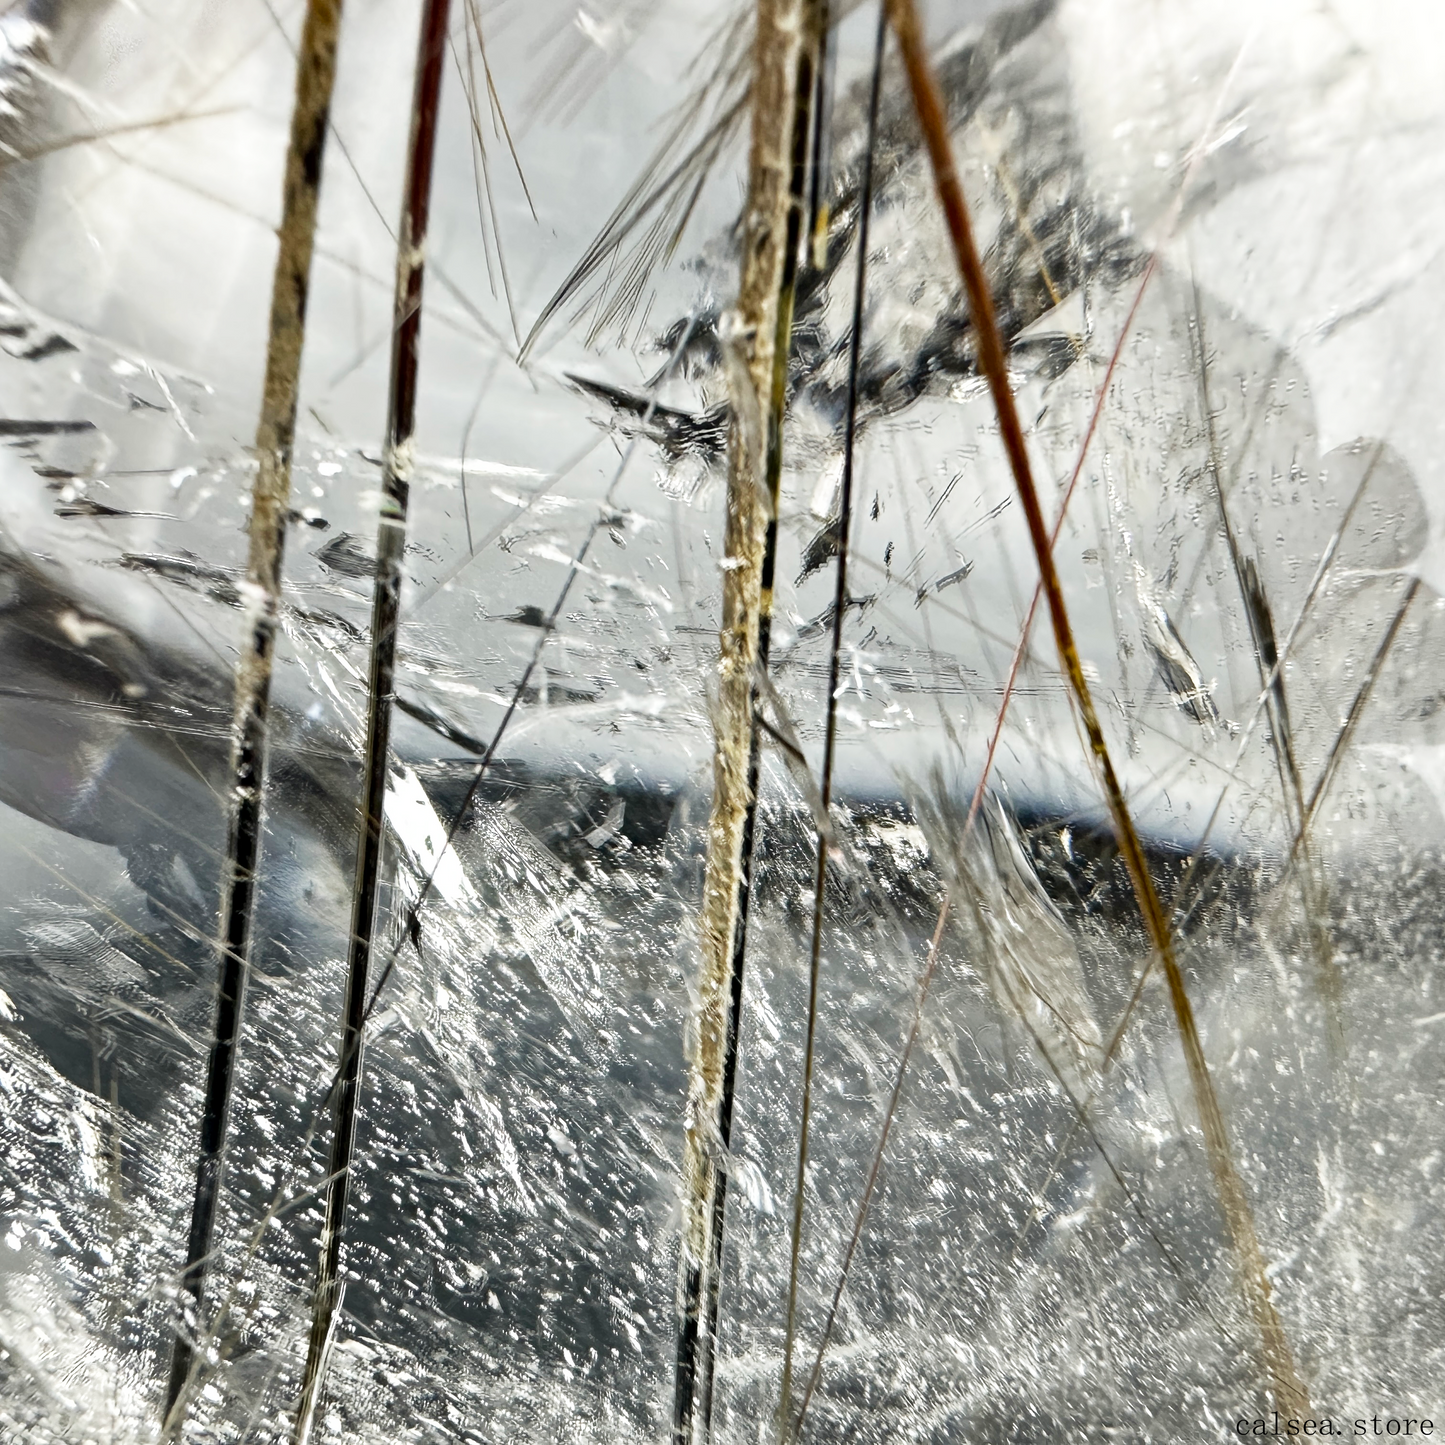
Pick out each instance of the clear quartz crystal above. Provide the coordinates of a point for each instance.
(1212, 234)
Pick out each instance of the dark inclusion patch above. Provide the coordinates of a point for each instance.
(1053, 239)
(346, 555)
(12, 428)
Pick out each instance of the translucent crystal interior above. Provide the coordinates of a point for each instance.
(1213, 239)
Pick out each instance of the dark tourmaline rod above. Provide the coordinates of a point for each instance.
(381, 684)
(270, 507)
(759, 332)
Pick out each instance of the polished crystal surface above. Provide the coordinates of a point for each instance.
(1212, 235)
